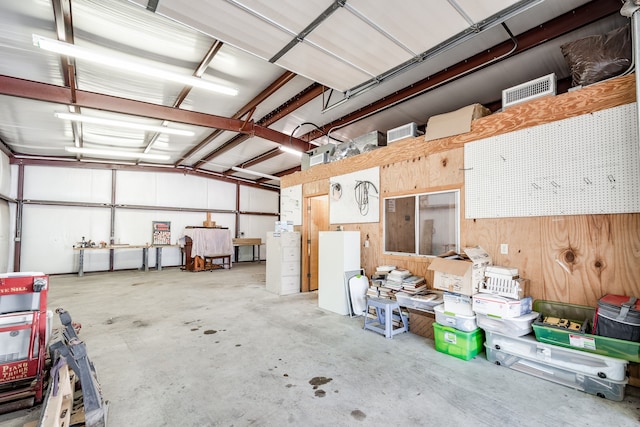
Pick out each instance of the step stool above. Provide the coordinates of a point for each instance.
(383, 322)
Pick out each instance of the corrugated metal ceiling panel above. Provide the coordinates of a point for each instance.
(19, 57)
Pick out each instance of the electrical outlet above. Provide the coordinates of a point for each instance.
(504, 249)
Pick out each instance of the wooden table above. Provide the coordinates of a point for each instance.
(145, 254)
(247, 242)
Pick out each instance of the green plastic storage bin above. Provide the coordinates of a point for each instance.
(582, 340)
(456, 343)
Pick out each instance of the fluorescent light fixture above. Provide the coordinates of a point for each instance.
(123, 64)
(112, 153)
(291, 150)
(250, 172)
(119, 123)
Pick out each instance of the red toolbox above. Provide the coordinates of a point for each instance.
(618, 316)
(23, 335)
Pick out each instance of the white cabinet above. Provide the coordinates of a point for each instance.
(339, 252)
(283, 262)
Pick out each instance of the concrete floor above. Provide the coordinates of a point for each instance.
(176, 348)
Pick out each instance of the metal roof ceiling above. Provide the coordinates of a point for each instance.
(347, 66)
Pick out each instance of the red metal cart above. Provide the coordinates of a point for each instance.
(23, 335)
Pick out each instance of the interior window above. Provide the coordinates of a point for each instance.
(422, 224)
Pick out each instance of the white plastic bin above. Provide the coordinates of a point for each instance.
(424, 302)
(513, 327)
(458, 321)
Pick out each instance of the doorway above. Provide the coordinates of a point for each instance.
(317, 219)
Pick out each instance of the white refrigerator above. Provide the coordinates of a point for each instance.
(338, 252)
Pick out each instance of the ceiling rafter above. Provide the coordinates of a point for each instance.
(260, 158)
(556, 27)
(63, 19)
(300, 99)
(286, 77)
(200, 69)
(13, 86)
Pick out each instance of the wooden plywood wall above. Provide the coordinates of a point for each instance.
(574, 259)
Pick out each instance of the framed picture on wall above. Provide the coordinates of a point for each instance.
(161, 232)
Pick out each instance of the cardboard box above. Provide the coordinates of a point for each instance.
(421, 323)
(497, 306)
(461, 276)
(455, 122)
(458, 304)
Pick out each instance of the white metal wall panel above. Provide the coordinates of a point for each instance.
(588, 164)
(69, 184)
(49, 233)
(14, 181)
(255, 227)
(5, 175)
(134, 227)
(174, 190)
(5, 236)
(258, 200)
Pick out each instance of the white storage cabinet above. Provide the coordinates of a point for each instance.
(283, 262)
(339, 252)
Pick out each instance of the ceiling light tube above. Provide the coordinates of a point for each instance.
(113, 153)
(76, 51)
(119, 123)
(291, 150)
(250, 172)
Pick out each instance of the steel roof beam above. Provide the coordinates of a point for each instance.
(267, 92)
(13, 86)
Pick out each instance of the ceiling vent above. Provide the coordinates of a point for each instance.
(533, 89)
(405, 131)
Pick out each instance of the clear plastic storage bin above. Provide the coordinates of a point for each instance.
(582, 362)
(458, 321)
(424, 302)
(514, 327)
(613, 390)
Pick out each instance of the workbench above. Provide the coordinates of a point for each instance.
(247, 242)
(145, 254)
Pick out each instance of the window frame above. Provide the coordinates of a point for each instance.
(416, 222)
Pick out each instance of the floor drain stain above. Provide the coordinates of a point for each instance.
(358, 414)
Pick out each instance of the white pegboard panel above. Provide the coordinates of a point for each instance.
(588, 164)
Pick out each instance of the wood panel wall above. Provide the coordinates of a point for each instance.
(574, 259)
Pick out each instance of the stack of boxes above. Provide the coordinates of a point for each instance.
(501, 303)
(456, 331)
(550, 340)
